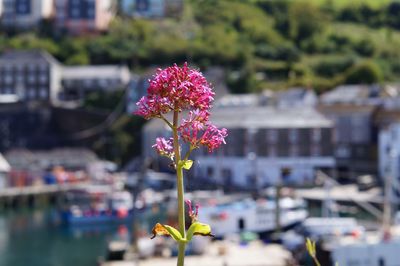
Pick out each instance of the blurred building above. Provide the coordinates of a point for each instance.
(353, 109)
(389, 158)
(4, 170)
(83, 16)
(355, 138)
(296, 97)
(354, 94)
(78, 81)
(36, 76)
(151, 8)
(262, 142)
(41, 160)
(25, 14)
(27, 76)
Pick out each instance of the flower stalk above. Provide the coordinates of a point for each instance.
(180, 188)
(176, 89)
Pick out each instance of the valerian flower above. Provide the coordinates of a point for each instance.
(182, 88)
(175, 89)
(164, 147)
(197, 130)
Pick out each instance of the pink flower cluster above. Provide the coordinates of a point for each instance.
(164, 147)
(175, 88)
(197, 130)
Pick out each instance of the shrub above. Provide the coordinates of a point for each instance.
(366, 72)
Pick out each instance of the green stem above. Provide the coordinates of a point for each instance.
(316, 261)
(179, 179)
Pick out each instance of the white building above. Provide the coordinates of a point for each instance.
(262, 142)
(25, 14)
(4, 169)
(29, 75)
(389, 158)
(78, 81)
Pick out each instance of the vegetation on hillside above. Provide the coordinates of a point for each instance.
(261, 43)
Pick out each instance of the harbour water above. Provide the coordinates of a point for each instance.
(37, 238)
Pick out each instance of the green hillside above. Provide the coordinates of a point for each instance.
(261, 43)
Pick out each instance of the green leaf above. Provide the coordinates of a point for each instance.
(187, 164)
(174, 233)
(198, 229)
(166, 230)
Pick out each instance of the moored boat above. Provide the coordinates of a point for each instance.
(248, 215)
(97, 205)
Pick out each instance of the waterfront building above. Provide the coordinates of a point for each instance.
(83, 16)
(42, 160)
(78, 81)
(353, 108)
(354, 138)
(296, 97)
(25, 14)
(27, 76)
(262, 142)
(4, 169)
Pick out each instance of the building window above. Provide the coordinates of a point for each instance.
(316, 135)
(210, 172)
(8, 79)
(103, 82)
(32, 68)
(294, 151)
(19, 78)
(22, 7)
(43, 78)
(315, 150)
(90, 13)
(31, 93)
(31, 78)
(75, 13)
(8, 90)
(142, 5)
(43, 93)
(43, 68)
(271, 151)
(293, 135)
(272, 135)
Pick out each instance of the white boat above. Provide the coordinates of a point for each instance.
(252, 216)
(324, 227)
(370, 250)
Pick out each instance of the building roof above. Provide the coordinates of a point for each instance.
(238, 100)
(261, 117)
(4, 165)
(96, 72)
(269, 117)
(30, 56)
(351, 94)
(293, 94)
(346, 108)
(41, 160)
